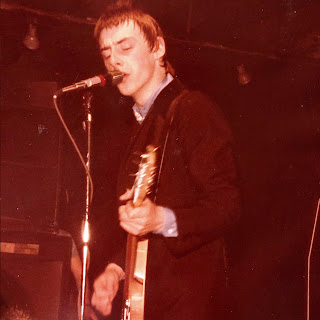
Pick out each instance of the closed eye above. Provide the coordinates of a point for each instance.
(126, 45)
(106, 54)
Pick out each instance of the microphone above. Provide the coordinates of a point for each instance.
(111, 78)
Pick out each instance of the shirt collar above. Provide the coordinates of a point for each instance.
(141, 113)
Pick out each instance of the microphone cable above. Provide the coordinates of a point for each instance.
(55, 96)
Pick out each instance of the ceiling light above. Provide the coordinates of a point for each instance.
(30, 40)
(243, 77)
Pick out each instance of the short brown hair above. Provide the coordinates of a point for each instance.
(115, 15)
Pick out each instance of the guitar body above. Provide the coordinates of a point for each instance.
(137, 247)
(134, 287)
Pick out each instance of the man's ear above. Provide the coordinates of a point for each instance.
(161, 49)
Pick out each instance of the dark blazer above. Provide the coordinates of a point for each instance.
(186, 274)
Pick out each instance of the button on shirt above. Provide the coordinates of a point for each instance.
(170, 223)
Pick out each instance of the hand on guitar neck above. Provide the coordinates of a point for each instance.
(140, 220)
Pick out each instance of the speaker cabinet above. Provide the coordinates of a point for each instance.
(35, 274)
(29, 154)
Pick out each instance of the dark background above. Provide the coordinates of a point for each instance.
(275, 119)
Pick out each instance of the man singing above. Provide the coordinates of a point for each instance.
(195, 201)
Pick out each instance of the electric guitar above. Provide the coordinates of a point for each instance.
(137, 247)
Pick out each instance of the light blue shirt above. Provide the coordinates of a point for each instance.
(170, 223)
(141, 113)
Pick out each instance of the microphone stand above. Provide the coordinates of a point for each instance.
(87, 97)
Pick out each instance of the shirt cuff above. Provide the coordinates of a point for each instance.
(170, 224)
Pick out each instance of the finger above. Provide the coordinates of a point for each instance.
(127, 195)
(134, 217)
(134, 228)
(102, 304)
(131, 211)
(129, 227)
(105, 289)
(101, 285)
(127, 210)
(122, 213)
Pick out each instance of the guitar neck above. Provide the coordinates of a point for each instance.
(137, 248)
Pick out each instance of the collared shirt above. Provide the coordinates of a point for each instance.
(141, 113)
(170, 223)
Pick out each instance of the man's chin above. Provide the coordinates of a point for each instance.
(124, 90)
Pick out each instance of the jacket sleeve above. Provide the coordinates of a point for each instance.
(206, 143)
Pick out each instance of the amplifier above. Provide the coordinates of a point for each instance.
(35, 274)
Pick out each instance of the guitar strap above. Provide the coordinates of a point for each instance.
(169, 119)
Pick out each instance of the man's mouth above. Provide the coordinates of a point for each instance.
(124, 76)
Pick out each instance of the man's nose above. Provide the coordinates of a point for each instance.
(115, 60)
